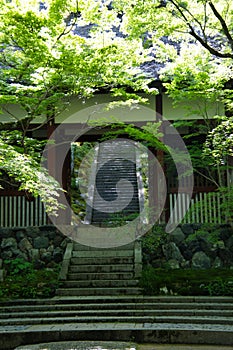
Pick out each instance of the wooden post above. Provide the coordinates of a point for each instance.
(154, 180)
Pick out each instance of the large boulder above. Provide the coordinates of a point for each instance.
(173, 264)
(171, 251)
(58, 255)
(46, 257)
(33, 232)
(9, 244)
(34, 254)
(187, 229)
(177, 236)
(41, 242)
(194, 246)
(201, 261)
(19, 235)
(25, 245)
(226, 257)
(5, 232)
(217, 264)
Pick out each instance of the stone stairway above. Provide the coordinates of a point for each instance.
(95, 271)
(115, 161)
(192, 320)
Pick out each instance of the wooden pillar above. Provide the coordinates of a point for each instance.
(55, 164)
(51, 156)
(154, 177)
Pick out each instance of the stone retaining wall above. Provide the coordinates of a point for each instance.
(44, 245)
(190, 246)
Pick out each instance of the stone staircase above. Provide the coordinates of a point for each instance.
(115, 161)
(95, 271)
(192, 320)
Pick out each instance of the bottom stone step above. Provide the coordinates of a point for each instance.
(169, 334)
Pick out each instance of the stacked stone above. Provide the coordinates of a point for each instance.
(177, 250)
(44, 246)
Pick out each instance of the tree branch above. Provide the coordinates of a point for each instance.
(209, 178)
(223, 24)
(203, 42)
(208, 47)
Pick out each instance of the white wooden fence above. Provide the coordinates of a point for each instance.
(18, 211)
(204, 208)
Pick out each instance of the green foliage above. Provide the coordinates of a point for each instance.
(82, 158)
(226, 203)
(193, 41)
(44, 61)
(43, 56)
(187, 282)
(119, 219)
(40, 283)
(148, 134)
(207, 231)
(219, 143)
(18, 266)
(23, 144)
(25, 170)
(153, 239)
(220, 287)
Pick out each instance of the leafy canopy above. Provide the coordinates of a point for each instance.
(45, 58)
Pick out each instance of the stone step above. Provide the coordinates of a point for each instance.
(112, 175)
(191, 309)
(98, 291)
(99, 283)
(108, 154)
(100, 276)
(130, 319)
(102, 261)
(110, 183)
(111, 187)
(128, 210)
(80, 247)
(162, 301)
(106, 268)
(88, 305)
(157, 333)
(115, 161)
(107, 196)
(125, 174)
(227, 314)
(106, 253)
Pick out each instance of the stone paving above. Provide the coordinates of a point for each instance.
(121, 326)
(80, 345)
(95, 345)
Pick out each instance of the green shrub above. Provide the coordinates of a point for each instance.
(23, 281)
(18, 265)
(220, 287)
(153, 239)
(209, 232)
(187, 282)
